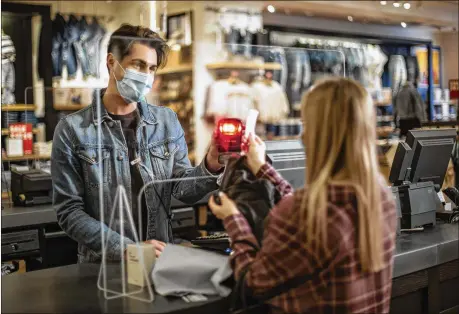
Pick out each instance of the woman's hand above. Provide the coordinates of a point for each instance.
(256, 153)
(227, 207)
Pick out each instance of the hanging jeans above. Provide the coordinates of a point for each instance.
(277, 55)
(397, 72)
(299, 74)
(8, 83)
(78, 46)
(72, 34)
(58, 29)
(234, 39)
(92, 47)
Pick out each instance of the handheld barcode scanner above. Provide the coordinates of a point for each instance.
(229, 136)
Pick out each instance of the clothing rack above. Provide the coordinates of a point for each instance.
(103, 18)
(234, 11)
(290, 39)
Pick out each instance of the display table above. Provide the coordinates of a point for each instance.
(425, 274)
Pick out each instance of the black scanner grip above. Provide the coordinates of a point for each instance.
(217, 199)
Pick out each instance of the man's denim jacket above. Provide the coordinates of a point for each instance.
(75, 172)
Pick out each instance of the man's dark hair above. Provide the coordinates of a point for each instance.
(124, 37)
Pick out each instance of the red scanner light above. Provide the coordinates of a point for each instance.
(229, 135)
(230, 128)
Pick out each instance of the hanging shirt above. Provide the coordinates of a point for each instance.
(271, 101)
(227, 100)
(8, 71)
(8, 51)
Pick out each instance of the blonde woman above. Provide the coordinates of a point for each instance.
(339, 231)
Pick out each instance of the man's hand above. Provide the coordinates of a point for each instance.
(212, 163)
(158, 245)
(227, 207)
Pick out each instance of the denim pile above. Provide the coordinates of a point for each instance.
(11, 117)
(76, 42)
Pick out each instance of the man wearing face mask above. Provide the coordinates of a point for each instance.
(140, 144)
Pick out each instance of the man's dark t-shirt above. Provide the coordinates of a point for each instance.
(129, 123)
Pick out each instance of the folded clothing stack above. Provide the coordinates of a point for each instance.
(9, 117)
(43, 149)
(28, 117)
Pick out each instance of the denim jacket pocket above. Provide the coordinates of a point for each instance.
(162, 158)
(90, 165)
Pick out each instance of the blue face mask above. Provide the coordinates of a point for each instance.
(134, 85)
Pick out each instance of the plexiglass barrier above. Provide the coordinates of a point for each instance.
(114, 181)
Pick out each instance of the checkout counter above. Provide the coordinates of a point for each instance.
(425, 277)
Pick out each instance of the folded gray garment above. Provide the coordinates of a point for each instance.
(182, 270)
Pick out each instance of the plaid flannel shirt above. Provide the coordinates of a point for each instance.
(338, 283)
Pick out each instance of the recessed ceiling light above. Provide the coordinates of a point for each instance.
(383, 2)
(396, 4)
(350, 18)
(271, 9)
(403, 24)
(407, 5)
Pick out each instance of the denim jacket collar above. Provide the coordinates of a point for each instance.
(146, 113)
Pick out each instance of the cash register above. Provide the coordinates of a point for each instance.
(31, 187)
(417, 174)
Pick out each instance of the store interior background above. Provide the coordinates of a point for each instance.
(427, 21)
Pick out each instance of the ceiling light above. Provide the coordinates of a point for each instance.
(403, 24)
(350, 18)
(407, 5)
(271, 9)
(396, 4)
(383, 2)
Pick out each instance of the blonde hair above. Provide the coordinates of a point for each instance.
(340, 138)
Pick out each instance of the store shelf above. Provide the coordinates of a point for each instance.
(384, 118)
(389, 142)
(384, 131)
(244, 66)
(383, 103)
(450, 102)
(280, 138)
(7, 131)
(18, 107)
(69, 107)
(175, 69)
(26, 157)
(438, 124)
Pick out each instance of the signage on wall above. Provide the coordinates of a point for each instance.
(423, 63)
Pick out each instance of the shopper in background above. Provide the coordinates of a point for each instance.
(337, 233)
(139, 144)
